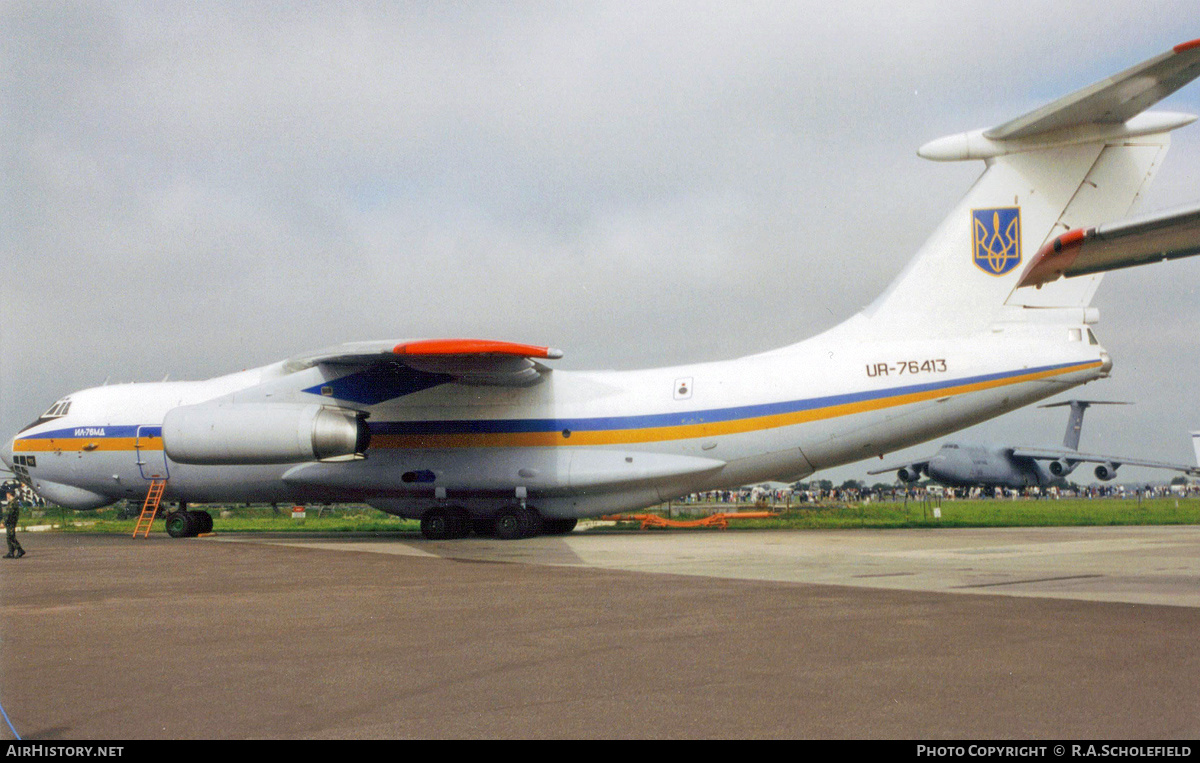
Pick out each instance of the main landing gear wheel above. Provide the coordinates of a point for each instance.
(444, 523)
(515, 522)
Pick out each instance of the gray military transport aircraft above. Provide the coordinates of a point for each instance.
(991, 466)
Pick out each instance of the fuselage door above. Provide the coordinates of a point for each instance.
(151, 458)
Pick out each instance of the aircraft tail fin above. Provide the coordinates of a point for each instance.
(1081, 160)
(1196, 445)
(1075, 421)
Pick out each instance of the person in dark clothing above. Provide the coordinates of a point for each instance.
(12, 514)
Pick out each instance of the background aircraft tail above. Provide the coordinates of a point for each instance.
(1082, 160)
(1075, 421)
(1196, 445)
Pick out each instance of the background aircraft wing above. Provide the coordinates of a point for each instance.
(1160, 236)
(1053, 454)
(918, 464)
(468, 361)
(1112, 100)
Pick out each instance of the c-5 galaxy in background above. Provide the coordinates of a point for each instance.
(484, 436)
(992, 466)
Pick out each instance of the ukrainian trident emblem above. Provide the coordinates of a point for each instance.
(997, 239)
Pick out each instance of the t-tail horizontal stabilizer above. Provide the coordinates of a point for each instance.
(1109, 109)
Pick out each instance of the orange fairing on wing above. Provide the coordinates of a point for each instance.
(474, 347)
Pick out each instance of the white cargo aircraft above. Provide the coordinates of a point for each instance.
(483, 435)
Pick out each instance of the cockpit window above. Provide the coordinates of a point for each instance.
(57, 411)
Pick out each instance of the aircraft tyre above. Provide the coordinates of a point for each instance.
(460, 522)
(181, 524)
(203, 521)
(436, 524)
(558, 526)
(484, 527)
(515, 522)
(535, 522)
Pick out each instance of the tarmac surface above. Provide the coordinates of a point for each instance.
(1064, 633)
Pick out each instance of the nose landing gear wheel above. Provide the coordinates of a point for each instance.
(203, 520)
(188, 524)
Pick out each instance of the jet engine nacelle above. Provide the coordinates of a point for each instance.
(1060, 468)
(263, 433)
(909, 473)
(1106, 471)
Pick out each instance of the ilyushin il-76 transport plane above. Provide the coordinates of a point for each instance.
(991, 314)
(991, 466)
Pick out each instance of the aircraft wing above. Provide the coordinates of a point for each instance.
(919, 463)
(1140, 240)
(1054, 454)
(468, 361)
(1112, 100)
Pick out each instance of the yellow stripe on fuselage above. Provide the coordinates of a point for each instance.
(89, 444)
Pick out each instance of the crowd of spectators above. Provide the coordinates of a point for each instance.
(823, 491)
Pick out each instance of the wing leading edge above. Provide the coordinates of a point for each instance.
(1053, 454)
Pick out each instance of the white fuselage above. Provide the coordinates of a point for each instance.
(580, 443)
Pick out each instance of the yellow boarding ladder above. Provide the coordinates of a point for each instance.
(150, 508)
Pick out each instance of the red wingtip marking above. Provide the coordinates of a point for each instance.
(1187, 46)
(471, 347)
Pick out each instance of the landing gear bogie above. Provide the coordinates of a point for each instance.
(511, 522)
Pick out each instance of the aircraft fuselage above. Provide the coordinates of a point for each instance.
(989, 466)
(578, 444)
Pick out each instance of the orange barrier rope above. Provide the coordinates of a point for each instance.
(719, 521)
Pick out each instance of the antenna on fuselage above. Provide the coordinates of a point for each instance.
(1075, 422)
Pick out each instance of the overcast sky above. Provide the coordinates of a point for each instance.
(193, 189)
